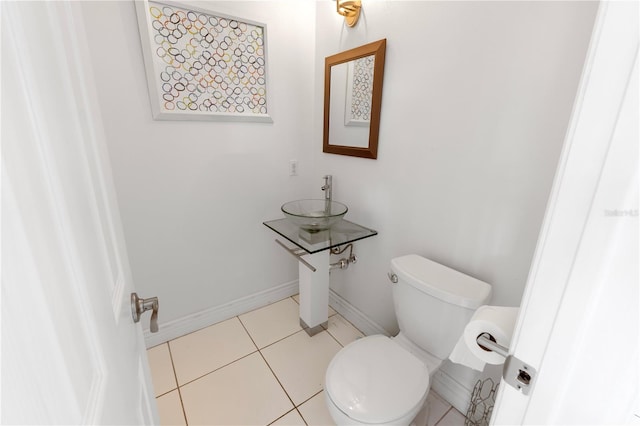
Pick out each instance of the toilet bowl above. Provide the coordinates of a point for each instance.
(375, 380)
(385, 381)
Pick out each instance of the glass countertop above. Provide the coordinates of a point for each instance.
(343, 232)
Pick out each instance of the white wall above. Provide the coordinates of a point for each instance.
(476, 101)
(475, 104)
(193, 195)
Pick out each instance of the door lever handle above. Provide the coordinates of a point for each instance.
(139, 305)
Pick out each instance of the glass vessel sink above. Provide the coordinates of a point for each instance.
(314, 215)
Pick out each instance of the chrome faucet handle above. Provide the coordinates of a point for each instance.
(327, 183)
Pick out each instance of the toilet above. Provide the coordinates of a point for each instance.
(385, 381)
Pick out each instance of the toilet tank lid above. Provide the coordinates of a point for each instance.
(441, 282)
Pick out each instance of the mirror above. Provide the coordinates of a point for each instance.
(352, 99)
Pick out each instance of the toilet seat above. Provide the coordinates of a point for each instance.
(374, 380)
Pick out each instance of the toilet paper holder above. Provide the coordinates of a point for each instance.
(515, 373)
(488, 343)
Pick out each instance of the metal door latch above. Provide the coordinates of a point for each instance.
(518, 374)
(139, 305)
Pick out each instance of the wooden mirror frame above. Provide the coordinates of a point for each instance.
(376, 48)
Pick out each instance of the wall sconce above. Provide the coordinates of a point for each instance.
(350, 9)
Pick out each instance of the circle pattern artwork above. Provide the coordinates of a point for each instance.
(208, 63)
(362, 88)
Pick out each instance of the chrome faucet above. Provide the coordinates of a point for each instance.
(327, 187)
(327, 193)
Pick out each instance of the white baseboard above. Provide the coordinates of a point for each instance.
(354, 316)
(202, 319)
(451, 391)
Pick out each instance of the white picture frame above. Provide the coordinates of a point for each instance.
(203, 65)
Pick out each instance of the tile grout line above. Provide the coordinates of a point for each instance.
(238, 359)
(285, 414)
(273, 372)
(445, 415)
(311, 397)
(301, 416)
(277, 341)
(221, 321)
(217, 369)
(248, 334)
(277, 380)
(281, 385)
(175, 376)
(334, 337)
(227, 364)
(270, 423)
(296, 407)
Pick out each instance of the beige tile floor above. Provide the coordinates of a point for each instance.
(259, 368)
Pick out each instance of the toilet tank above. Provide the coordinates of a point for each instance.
(434, 303)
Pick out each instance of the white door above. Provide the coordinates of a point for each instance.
(579, 321)
(71, 353)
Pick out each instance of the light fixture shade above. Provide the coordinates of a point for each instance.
(350, 9)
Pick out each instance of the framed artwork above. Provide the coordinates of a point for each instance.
(359, 92)
(203, 65)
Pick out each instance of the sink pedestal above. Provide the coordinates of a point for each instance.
(314, 292)
(312, 251)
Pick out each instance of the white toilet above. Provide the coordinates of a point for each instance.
(385, 381)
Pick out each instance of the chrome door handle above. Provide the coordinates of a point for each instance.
(139, 305)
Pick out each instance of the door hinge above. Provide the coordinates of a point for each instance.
(518, 374)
